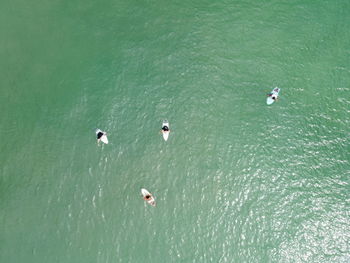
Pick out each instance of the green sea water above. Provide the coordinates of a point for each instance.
(237, 181)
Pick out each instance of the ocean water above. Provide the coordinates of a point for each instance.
(237, 181)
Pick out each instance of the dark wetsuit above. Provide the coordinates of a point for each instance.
(99, 135)
(165, 128)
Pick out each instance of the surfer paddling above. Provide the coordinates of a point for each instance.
(165, 130)
(147, 198)
(273, 96)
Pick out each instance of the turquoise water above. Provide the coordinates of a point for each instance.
(237, 181)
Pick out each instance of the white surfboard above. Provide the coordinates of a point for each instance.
(165, 133)
(274, 94)
(148, 197)
(103, 138)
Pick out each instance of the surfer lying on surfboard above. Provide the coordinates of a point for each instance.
(101, 135)
(165, 128)
(147, 197)
(273, 96)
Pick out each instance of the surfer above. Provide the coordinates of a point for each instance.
(273, 96)
(147, 197)
(99, 135)
(165, 128)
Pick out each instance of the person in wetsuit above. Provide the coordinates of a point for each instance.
(99, 135)
(273, 96)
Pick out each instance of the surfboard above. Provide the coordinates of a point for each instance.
(165, 133)
(273, 94)
(148, 197)
(103, 138)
